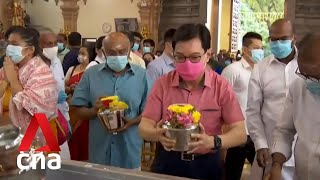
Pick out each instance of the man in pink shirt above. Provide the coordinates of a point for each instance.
(193, 83)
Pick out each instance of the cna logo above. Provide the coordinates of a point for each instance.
(34, 156)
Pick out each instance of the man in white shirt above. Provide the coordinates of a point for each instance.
(238, 74)
(268, 87)
(62, 46)
(48, 43)
(165, 63)
(100, 58)
(134, 58)
(301, 116)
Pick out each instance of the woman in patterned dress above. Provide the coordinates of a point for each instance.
(33, 87)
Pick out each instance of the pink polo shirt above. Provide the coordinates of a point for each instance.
(216, 101)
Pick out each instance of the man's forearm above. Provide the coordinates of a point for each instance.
(147, 131)
(236, 136)
(84, 112)
(136, 120)
(278, 159)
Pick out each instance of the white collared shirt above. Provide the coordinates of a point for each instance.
(238, 74)
(95, 62)
(301, 116)
(57, 70)
(135, 59)
(268, 86)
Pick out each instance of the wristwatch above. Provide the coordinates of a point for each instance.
(217, 142)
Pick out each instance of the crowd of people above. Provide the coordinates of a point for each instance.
(263, 109)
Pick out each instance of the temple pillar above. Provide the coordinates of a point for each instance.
(304, 15)
(70, 11)
(149, 11)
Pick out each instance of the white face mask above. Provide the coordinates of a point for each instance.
(50, 53)
(82, 59)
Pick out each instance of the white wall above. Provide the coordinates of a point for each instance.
(91, 16)
(96, 12)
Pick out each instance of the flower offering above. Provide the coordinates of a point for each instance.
(113, 103)
(111, 116)
(182, 120)
(182, 116)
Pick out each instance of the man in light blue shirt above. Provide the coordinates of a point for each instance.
(129, 83)
(165, 63)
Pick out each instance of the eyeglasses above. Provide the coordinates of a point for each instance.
(305, 77)
(192, 59)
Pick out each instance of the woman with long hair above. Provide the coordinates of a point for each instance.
(78, 144)
(30, 81)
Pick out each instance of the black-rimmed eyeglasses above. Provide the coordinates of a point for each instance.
(193, 58)
(305, 77)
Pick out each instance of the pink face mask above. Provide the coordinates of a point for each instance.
(190, 71)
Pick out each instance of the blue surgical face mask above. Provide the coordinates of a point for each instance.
(227, 62)
(60, 46)
(281, 49)
(135, 47)
(117, 63)
(257, 55)
(314, 87)
(146, 49)
(15, 53)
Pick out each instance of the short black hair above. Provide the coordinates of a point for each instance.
(64, 36)
(307, 48)
(152, 43)
(168, 35)
(152, 55)
(246, 40)
(137, 34)
(187, 32)
(74, 39)
(10, 30)
(100, 42)
(129, 36)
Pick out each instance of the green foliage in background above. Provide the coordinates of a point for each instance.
(249, 22)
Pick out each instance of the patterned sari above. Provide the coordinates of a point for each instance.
(39, 95)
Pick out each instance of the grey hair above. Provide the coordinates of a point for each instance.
(43, 30)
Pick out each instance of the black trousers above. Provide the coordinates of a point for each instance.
(236, 157)
(206, 167)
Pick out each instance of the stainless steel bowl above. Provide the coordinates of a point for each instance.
(181, 136)
(10, 139)
(112, 120)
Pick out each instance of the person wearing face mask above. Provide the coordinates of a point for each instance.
(7, 93)
(165, 63)
(148, 46)
(6, 36)
(100, 58)
(238, 74)
(122, 147)
(24, 72)
(80, 127)
(137, 43)
(300, 116)
(71, 58)
(267, 90)
(194, 83)
(62, 49)
(133, 58)
(48, 44)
